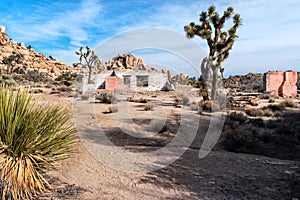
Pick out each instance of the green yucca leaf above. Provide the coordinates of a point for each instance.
(33, 138)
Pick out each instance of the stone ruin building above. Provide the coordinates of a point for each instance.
(281, 83)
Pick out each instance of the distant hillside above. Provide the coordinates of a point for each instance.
(18, 59)
(249, 82)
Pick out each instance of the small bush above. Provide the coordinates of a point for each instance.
(113, 109)
(182, 100)
(149, 106)
(67, 78)
(36, 90)
(238, 116)
(253, 102)
(210, 106)
(288, 103)
(142, 100)
(137, 100)
(275, 108)
(254, 112)
(105, 97)
(85, 97)
(271, 100)
(195, 106)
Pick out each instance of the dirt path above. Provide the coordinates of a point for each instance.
(220, 175)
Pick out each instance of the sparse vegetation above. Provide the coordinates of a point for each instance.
(137, 99)
(106, 97)
(278, 137)
(149, 106)
(272, 100)
(182, 100)
(33, 138)
(288, 103)
(113, 109)
(195, 106)
(67, 78)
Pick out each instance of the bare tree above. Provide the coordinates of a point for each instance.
(88, 59)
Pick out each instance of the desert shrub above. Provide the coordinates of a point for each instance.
(158, 127)
(142, 100)
(267, 111)
(113, 109)
(67, 78)
(7, 80)
(239, 140)
(271, 100)
(182, 100)
(237, 116)
(253, 102)
(210, 106)
(83, 97)
(33, 138)
(6, 77)
(276, 137)
(149, 106)
(137, 100)
(65, 89)
(288, 103)
(105, 97)
(36, 90)
(255, 112)
(195, 106)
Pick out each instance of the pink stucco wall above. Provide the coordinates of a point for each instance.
(281, 83)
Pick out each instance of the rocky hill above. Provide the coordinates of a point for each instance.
(248, 82)
(127, 62)
(17, 58)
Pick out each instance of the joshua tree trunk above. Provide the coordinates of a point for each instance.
(214, 82)
(90, 75)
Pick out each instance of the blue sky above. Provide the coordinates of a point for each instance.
(268, 39)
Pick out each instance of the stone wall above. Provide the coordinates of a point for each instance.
(281, 83)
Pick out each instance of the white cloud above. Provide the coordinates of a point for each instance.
(71, 23)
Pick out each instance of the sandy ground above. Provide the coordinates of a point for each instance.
(220, 175)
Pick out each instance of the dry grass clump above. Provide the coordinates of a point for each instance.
(272, 100)
(113, 109)
(210, 106)
(181, 100)
(195, 106)
(288, 103)
(85, 96)
(238, 116)
(149, 106)
(137, 100)
(266, 111)
(106, 97)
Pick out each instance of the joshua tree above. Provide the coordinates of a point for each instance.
(219, 42)
(88, 59)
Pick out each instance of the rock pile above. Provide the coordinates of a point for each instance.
(250, 82)
(130, 62)
(30, 60)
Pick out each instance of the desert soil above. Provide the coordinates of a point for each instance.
(220, 175)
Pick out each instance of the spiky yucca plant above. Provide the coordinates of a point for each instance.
(33, 138)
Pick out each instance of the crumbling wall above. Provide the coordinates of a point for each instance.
(281, 83)
(156, 80)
